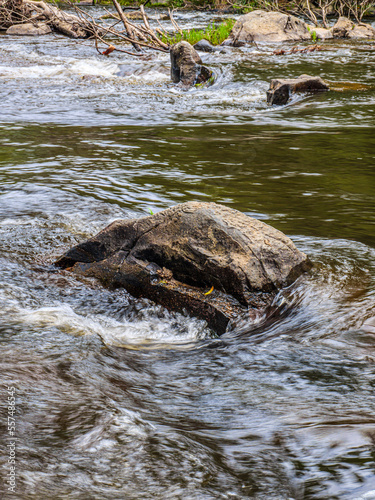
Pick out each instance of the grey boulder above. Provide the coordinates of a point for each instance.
(263, 26)
(210, 260)
(29, 29)
(205, 46)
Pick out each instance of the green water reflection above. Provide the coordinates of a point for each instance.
(317, 183)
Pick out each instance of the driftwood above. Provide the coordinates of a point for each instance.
(28, 11)
(297, 50)
(83, 25)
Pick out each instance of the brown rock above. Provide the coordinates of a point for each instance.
(29, 29)
(321, 33)
(263, 26)
(345, 28)
(176, 256)
(135, 15)
(280, 89)
(187, 66)
(342, 27)
(362, 31)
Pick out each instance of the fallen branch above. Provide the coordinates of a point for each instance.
(297, 50)
(83, 25)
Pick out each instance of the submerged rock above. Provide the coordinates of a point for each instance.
(186, 65)
(263, 26)
(208, 259)
(280, 89)
(29, 29)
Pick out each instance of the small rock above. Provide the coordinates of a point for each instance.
(280, 89)
(205, 46)
(29, 29)
(321, 33)
(135, 15)
(263, 26)
(187, 66)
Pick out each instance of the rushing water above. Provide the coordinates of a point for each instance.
(119, 399)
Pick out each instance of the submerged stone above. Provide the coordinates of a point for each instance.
(281, 89)
(210, 260)
(186, 65)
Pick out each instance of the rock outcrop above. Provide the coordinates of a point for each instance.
(345, 28)
(208, 259)
(186, 65)
(263, 26)
(281, 89)
(29, 29)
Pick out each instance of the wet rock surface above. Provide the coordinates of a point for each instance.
(262, 26)
(345, 28)
(29, 29)
(205, 46)
(213, 261)
(281, 89)
(187, 66)
(321, 33)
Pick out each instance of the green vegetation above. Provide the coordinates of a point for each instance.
(313, 34)
(215, 34)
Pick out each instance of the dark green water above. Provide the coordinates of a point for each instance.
(119, 399)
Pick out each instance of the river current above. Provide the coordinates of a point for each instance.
(116, 398)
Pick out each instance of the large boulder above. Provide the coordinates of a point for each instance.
(208, 259)
(29, 29)
(345, 28)
(263, 26)
(281, 89)
(186, 65)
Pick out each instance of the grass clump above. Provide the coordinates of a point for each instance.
(215, 34)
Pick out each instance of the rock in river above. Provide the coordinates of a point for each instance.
(205, 46)
(263, 26)
(29, 29)
(208, 259)
(187, 66)
(345, 28)
(280, 89)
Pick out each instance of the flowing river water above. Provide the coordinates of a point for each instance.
(118, 399)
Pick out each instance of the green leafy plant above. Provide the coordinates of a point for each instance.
(215, 34)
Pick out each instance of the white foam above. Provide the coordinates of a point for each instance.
(89, 67)
(141, 332)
